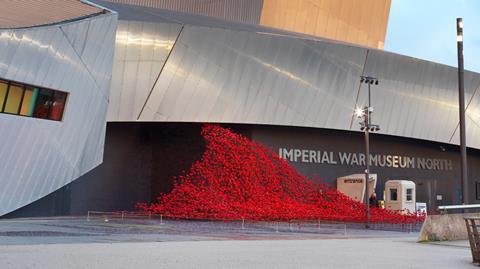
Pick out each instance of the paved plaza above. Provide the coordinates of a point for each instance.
(76, 243)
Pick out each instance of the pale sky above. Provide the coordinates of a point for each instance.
(426, 29)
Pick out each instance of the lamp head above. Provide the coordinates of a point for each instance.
(359, 112)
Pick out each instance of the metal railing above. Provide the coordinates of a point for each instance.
(444, 208)
(121, 215)
(296, 225)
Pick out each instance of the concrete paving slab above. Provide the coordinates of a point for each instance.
(371, 253)
(77, 243)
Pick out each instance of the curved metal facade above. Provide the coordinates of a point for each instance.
(218, 75)
(361, 22)
(140, 54)
(419, 99)
(40, 156)
(248, 74)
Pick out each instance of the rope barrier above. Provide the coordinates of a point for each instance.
(318, 224)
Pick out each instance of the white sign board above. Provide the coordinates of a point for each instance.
(353, 186)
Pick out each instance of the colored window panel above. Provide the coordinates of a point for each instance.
(28, 101)
(14, 97)
(43, 104)
(58, 104)
(3, 93)
(31, 101)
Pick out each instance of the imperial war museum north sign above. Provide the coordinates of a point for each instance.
(351, 158)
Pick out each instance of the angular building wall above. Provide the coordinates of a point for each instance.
(173, 68)
(214, 71)
(221, 75)
(140, 53)
(360, 22)
(39, 156)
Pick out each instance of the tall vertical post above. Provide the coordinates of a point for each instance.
(461, 96)
(367, 166)
(369, 103)
(366, 114)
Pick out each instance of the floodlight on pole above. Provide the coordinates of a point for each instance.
(367, 127)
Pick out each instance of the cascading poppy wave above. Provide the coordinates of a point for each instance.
(240, 179)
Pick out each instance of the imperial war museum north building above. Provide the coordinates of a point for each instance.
(102, 102)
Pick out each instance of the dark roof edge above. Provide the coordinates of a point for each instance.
(104, 9)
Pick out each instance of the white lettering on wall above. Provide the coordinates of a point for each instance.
(358, 159)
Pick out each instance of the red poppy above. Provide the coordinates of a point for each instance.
(237, 178)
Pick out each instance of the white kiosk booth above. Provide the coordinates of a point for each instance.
(400, 195)
(353, 186)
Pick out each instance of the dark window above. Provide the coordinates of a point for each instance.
(31, 101)
(409, 194)
(43, 104)
(477, 190)
(59, 99)
(393, 194)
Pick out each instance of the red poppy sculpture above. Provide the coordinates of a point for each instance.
(240, 179)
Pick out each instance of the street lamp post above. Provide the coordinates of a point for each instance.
(461, 97)
(366, 126)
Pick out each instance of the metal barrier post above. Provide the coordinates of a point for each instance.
(476, 241)
(318, 224)
(123, 215)
(345, 229)
(243, 223)
(473, 238)
(88, 215)
(161, 219)
(276, 226)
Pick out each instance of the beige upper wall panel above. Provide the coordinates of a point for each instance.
(362, 22)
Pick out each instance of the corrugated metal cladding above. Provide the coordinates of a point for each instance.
(27, 13)
(246, 11)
